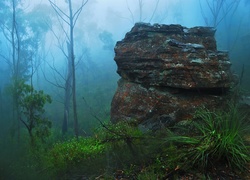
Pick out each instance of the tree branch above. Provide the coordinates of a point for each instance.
(78, 12)
(131, 14)
(25, 124)
(59, 12)
(156, 6)
(56, 83)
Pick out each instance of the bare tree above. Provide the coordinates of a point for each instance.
(219, 9)
(222, 11)
(70, 20)
(140, 6)
(140, 9)
(62, 80)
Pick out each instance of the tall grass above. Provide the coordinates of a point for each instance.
(219, 138)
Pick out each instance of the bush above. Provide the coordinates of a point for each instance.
(68, 154)
(123, 142)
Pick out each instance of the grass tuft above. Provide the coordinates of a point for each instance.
(219, 137)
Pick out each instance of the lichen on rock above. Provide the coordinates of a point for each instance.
(167, 71)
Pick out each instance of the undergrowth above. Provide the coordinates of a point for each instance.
(68, 155)
(219, 138)
(123, 151)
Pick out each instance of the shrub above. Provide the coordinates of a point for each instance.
(123, 142)
(109, 144)
(68, 154)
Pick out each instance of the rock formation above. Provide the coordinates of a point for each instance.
(167, 71)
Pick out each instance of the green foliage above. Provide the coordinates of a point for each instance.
(31, 103)
(20, 160)
(121, 131)
(68, 154)
(164, 162)
(124, 142)
(219, 138)
(113, 144)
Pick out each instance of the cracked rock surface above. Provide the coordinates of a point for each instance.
(167, 71)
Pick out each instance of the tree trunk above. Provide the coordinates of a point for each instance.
(67, 95)
(72, 56)
(70, 20)
(1, 102)
(15, 42)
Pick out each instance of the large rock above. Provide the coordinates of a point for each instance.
(172, 56)
(167, 71)
(155, 107)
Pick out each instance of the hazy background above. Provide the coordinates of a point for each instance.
(100, 25)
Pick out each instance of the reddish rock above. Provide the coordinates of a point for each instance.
(167, 71)
(155, 107)
(172, 56)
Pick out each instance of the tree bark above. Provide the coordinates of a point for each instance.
(15, 42)
(67, 93)
(72, 57)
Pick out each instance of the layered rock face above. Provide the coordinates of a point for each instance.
(167, 71)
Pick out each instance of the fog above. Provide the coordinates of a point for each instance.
(33, 48)
(98, 27)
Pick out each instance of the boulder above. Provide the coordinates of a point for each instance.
(172, 56)
(167, 72)
(156, 106)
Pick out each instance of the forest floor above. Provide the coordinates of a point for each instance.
(220, 172)
(156, 159)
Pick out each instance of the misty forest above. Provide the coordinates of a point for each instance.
(124, 89)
